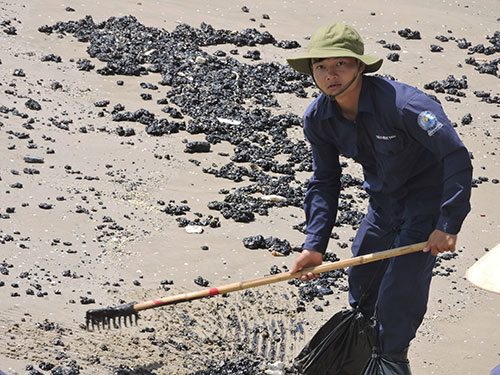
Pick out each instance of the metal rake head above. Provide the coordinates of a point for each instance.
(112, 317)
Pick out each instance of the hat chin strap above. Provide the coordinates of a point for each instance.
(332, 97)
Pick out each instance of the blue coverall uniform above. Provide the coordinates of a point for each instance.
(418, 176)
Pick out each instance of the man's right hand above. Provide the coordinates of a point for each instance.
(307, 258)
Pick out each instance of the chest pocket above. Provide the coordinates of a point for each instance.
(389, 147)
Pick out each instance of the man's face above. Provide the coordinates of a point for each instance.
(333, 74)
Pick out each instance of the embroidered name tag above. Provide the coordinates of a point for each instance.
(429, 122)
(385, 137)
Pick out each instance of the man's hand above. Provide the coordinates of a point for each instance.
(307, 258)
(439, 242)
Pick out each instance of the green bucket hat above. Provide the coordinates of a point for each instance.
(335, 40)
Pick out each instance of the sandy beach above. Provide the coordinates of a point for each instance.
(99, 194)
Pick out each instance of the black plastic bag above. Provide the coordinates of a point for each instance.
(342, 346)
(379, 365)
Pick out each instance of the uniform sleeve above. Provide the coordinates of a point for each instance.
(428, 124)
(321, 199)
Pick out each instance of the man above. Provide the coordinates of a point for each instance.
(417, 173)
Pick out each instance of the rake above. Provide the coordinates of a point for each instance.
(114, 317)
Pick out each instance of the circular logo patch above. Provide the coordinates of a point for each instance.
(429, 122)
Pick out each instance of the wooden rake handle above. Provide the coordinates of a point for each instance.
(228, 288)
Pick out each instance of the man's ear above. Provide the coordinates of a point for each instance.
(361, 67)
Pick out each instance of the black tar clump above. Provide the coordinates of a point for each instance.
(33, 105)
(407, 33)
(450, 85)
(271, 243)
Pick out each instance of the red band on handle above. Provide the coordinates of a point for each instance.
(158, 302)
(214, 291)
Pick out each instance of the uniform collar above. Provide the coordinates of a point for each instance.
(365, 103)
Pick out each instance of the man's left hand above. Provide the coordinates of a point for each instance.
(439, 242)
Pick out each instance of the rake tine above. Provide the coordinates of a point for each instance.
(111, 316)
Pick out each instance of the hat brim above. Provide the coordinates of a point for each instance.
(302, 63)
